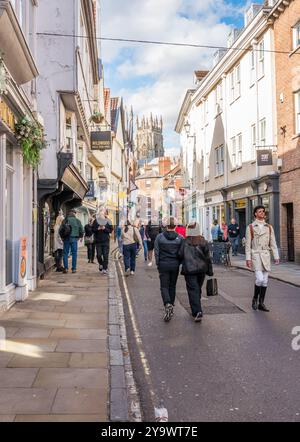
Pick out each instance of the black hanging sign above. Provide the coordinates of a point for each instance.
(264, 158)
(101, 140)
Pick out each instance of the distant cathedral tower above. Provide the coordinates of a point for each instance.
(149, 138)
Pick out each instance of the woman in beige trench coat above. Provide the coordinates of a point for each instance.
(260, 241)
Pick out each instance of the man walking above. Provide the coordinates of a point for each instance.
(166, 249)
(71, 240)
(260, 241)
(234, 235)
(102, 228)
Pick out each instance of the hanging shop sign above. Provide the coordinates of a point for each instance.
(91, 192)
(264, 158)
(6, 115)
(101, 140)
(241, 204)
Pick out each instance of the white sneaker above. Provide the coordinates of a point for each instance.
(132, 272)
(127, 272)
(105, 272)
(150, 264)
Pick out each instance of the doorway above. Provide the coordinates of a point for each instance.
(241, 220)
(290, 231)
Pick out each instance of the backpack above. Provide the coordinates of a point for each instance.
(65, 230)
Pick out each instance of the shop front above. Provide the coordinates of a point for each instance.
(241, 200)
(17, 212)
(55, 197)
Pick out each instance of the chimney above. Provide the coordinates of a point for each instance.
(164, 165)
(199, 76)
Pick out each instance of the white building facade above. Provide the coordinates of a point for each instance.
(18, 194)
(68, 94)
(225, 122)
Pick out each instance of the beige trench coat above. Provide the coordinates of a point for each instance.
(259, 249)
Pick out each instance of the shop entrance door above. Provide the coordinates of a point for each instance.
(241, 219)
(290, 231)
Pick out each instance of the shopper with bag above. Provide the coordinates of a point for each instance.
(130, 237)
(166, 247)
(58, 244)
(89, 240)
(196, 263)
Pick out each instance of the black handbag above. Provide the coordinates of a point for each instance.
(212, 287)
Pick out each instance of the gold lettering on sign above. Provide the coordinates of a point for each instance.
(6, 115)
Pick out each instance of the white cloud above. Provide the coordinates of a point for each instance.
(170, 69)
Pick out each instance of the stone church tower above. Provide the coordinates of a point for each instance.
(149, 138)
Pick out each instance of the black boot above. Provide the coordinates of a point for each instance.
(255, 297)
(261, 305)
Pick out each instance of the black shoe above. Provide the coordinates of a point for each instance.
(257, 290)
(261, 305)
(101, 269)
(198, 317)
(89, 261)
(263, 308)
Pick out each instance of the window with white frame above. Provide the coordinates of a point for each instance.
(233, 151)
(231, 79)
(261, 60)
(239, 150)
(262, 132)
(237, 81)
(297, 111)
(206, 166)
(253, 141)
(296, 35)
(219, 98)
(219, 161)
(252, 66)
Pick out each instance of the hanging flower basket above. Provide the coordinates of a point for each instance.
(97, 118)
(30, 136)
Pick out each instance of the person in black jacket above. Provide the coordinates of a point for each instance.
(166, 248)
(152, 231)
(102, 228)
(89, 240)
(196, 263)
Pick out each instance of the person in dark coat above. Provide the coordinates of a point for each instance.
(102, 228)
(152, 231)
(196, 263)
(89, 240)
(166, 248)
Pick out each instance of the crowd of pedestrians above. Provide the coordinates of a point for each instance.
(173, 246)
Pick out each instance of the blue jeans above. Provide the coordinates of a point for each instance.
(145, 244)
(129, 252)
(234, 244)
(70, 243)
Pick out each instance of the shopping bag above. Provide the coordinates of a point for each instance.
(212, 287)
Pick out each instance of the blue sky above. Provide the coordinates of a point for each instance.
(155, 78)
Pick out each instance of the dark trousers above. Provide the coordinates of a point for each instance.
(102, 255)
(58, 254)
(129, 253)
(168, 280)
(91, 252)
(194, 285)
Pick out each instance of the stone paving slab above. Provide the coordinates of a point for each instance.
(81, 401)
(49, 360)
(71, 333)
(56, 418)
(71, 377)
(26, 400)
(17, 377)
(81, 345)
(89, 360)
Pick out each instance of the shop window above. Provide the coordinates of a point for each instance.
(266, 203)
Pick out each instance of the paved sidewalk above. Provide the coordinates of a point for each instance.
(55, 365)
(285, 272)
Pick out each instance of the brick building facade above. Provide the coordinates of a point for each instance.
(285, 18)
